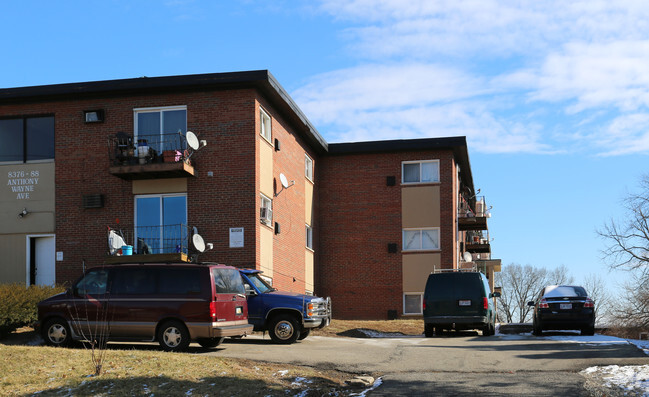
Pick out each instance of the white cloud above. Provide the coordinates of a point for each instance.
(513, 76)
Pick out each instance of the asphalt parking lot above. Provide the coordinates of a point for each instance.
(464, 364)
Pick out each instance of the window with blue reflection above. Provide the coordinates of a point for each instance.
(161, 224)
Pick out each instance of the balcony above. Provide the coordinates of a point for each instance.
(150, 157)
(472, 213)
(150, 244)
(477, 242)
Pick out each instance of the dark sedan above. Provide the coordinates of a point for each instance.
(559, 307)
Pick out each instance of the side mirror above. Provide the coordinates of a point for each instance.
(530, 303)
(495, 294)
(249, 290)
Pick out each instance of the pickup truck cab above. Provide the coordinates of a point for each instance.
(287, 316)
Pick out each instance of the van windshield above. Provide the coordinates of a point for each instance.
(228, 281)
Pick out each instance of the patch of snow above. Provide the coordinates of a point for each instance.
(189, 392)
(282, 372)
(376, 334)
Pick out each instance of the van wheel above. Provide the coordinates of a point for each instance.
(429, 330)
(284, 329)
(173, 336)
(208, 343)
(303, 334)
(56, 332)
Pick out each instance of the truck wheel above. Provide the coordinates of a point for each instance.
(303, 334)
(56, 332)
(284, 329)
(208, 343)
(429, 330)
(173, 336)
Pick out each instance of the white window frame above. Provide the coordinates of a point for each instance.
(265, 125)
(420, 230)
(421, 299)
(308, 167)
(266, 202)
(309, 237)
(420, 162)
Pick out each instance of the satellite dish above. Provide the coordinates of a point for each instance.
(198, 242)
(283, 180)
(467, 256)
(192, 140)
(115, 242)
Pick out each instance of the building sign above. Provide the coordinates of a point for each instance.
(236, 237)
(22, 183)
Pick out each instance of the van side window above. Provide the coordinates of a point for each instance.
(180, 282)
(134, 281)
(94, 283)
(228, 281)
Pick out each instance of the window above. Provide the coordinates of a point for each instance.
(134, 281)
(420, 171)
(309, 237)
(228, 281)
(160, 224)
(93, 283)
(27, 139)
(421, 239)
(412, 303)
(160, 127)
(266, 211)
(179, 282)
(308, 167)
(265, 125)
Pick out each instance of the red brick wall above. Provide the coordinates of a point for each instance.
(228, 199)
(360, 215)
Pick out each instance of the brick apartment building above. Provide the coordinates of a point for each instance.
(361, 222)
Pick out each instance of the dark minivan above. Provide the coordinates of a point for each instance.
(172, 304)
(460, 301)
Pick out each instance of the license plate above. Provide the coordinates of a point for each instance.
(239, 310)
(465, 302)
(565, 306)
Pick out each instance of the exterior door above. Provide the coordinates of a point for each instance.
(44, 260)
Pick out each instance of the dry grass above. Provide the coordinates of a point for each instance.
(349, 327)
(54, 371)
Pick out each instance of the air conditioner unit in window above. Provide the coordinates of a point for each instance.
(266, 215)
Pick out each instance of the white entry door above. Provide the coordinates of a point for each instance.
(44, 260)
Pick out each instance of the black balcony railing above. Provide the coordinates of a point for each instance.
(126, 149)
(165, 239)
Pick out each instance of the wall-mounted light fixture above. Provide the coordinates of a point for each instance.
(23, 213)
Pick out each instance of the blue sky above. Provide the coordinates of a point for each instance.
(552, 96)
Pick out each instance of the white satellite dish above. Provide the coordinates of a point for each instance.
(198, 242)
(467, 256)
(115, 242)
(283, 180)
(192, 140)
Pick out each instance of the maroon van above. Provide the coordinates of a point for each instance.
(171, 303)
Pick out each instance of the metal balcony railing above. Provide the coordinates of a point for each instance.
(126, 149)
(164, 239)
(476, 207)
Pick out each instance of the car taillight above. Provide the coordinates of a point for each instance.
(485, 302)
(589, 303)
(543, 304)
(423, 305)
(213, 310)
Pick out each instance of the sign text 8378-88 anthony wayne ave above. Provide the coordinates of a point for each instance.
(22, 183)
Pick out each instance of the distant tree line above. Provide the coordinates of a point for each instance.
(522, 283)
